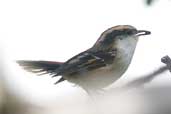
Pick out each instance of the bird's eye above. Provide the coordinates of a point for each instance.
(130, 32)
(121, 37)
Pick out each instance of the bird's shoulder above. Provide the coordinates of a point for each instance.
(88, 60)
(90, 56)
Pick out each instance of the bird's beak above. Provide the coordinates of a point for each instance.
(142, 32)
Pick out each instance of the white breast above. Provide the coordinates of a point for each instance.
(125, 52)
(126, 48)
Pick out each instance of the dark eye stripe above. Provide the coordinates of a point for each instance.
(115, 33)
(120, 32)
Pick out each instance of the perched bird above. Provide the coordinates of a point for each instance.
(99, 66)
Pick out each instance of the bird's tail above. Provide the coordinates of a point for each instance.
(41, 67)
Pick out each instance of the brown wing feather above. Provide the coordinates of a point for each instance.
(87, 61)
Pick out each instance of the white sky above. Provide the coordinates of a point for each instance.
(58, 29)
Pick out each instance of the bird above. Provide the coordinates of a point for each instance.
(97, 67)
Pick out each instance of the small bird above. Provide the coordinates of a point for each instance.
(99, 66)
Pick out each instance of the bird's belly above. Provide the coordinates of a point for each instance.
(102, 77)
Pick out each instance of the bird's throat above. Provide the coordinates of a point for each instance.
(126, 49)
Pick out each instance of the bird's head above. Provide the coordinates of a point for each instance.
(118, 34)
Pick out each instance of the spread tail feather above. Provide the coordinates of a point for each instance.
(41, 67)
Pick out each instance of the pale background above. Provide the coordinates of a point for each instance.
(58, 29)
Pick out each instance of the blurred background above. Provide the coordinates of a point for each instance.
(56, 30)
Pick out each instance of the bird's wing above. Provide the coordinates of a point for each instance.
(40, 67)
(87, 61)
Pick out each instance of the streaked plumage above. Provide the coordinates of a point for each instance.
(97, 67)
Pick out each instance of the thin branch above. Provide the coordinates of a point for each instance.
(145, 79)
(149, 77)
(166, 60)
(142, 80)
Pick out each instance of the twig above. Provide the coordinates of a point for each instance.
(139, 82)
(166, 59)
(146, 78)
